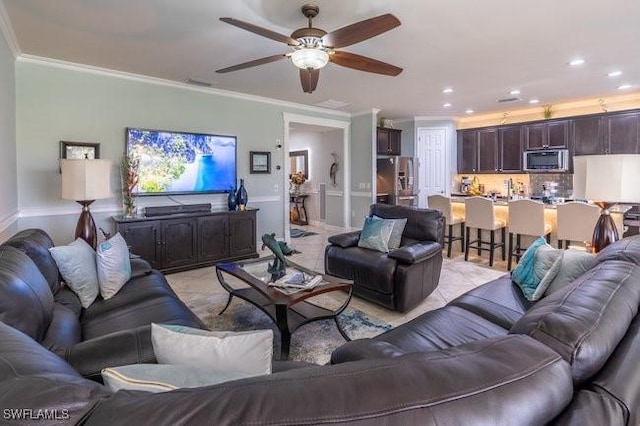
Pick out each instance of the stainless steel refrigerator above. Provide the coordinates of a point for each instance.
(397, 177)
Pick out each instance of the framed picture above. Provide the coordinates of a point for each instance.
(79, 150)
(260, 162)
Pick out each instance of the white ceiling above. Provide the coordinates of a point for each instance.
(482, 49)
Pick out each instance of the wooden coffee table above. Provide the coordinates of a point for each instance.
(288, 312)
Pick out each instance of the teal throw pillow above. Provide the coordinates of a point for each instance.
(396, 233)
(375, 234)
(574, 263)
(538, 265)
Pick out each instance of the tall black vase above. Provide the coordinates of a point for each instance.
(232, 201)
(241, 196)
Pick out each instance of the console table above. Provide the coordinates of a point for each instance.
(298, 213)
(177, 242)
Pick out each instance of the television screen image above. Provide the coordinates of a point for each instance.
(181, 163)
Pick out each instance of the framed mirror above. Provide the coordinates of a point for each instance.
(299, 162)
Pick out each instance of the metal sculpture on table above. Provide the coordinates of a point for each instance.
(280, 249)
(333, 170)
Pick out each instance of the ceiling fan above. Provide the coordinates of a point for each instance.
(313, 47)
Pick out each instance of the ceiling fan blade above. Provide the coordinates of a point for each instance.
(362, 63)
(309, 79)
(360, 31)
(261, 31)
(253, 63)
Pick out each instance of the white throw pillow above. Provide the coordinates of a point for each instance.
(77, 265)
(161, 377)
(113, 265)
(242, 353)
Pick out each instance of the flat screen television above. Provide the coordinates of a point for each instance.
(173, 163)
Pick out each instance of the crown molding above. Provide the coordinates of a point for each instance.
(73, 66)
(7, 31)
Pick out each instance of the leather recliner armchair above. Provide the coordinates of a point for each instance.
(403, 277)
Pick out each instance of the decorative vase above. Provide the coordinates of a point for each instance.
(241, 196)
(129, 208)
(232, 200)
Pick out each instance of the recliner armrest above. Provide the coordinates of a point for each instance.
(356, 350)
(415, 253)
(139, 267)
(125, 347)
(349, 239)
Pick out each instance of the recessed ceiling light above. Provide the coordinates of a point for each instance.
(447, 105)
(447, 90)
(514, 92)
(614, 74)
(469, 111)
(624, 87)
(534, 101)
(577, 62)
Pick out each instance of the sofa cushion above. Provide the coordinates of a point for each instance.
(33, 377)
(375, 234)
(113, 265)
(26, 302)
(500, 301)
(64, 330)
(432, 331)
(627, 249)
(243, 353)
(585, 321)
(368, 268)
(77, 265)
(35, 243)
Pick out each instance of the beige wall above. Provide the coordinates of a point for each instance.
(8, 174)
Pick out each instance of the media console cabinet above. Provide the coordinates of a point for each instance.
(177, 242)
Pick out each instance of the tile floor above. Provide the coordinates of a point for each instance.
(456, 278)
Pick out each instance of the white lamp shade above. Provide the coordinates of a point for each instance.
(579, 177)
(85, 180)
(612, 178)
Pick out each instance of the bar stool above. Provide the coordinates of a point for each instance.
(480, 214)
(576, 222)
(526, 217)
(442, 203)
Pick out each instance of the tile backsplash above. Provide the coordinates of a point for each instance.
(532, 181)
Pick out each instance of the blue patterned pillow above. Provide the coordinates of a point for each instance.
(396, 233)
(533, 269)
(375, 234)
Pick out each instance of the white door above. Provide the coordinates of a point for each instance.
(431, 150)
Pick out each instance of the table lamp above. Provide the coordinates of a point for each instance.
(85, 181)
(610, 179)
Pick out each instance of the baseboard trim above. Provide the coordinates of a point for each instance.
(8, 220)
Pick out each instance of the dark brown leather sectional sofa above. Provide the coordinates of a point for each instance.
(487, 358)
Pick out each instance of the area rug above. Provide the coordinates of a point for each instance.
(313, 342)
(298, 233)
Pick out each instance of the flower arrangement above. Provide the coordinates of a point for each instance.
(129, 169)
(297, 179)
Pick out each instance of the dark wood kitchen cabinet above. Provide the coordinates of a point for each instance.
(467, 151)
(488, 151)
(587, 137)
(179, 242)
(510, 149)
(621, 133)
(548, 134)
(388, 141)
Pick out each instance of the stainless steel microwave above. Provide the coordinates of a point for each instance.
(548, 160)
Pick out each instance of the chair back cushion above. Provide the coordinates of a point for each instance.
(422, 224)
(585, 321)
(36, 243)
(442, 203)
(26, 302)
(526, 217)
(576, 221)
(478, 213)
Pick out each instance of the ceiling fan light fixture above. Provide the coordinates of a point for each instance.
(306, 58)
